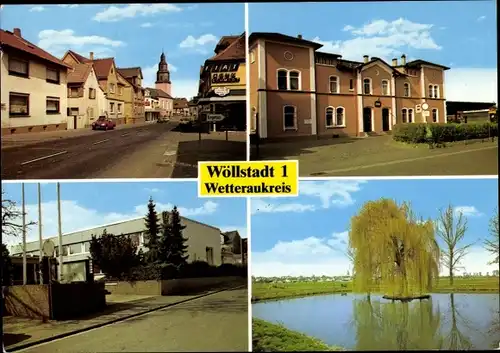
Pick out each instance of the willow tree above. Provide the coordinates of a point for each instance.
(393, 250)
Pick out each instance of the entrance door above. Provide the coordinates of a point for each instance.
(75, 122)
(385, 119)
(367, 119)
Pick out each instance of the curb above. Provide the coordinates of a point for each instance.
(71, 333)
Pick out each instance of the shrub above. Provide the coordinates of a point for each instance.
(232, 270)
(441, 133)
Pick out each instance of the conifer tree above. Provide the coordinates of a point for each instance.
(151, 232)
(173, 244)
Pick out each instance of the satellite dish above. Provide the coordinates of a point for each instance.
(48, 248)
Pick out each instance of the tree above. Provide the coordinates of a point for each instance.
(492, 244)
(451, 227)
(393, 250)
(173, 244)
(11, 216)
(115, 255)
(6, 266)
(151, 232)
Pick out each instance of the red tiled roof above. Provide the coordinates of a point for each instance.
(156, 92)
(102, 67)
(79, 57)
(236, 50)
(79, 73)
(129, 72)
(8, 39)
(180, 103)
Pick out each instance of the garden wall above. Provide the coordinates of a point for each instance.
(31, 301)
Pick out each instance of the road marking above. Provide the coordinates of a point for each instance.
(102, 141)
(82, 331)
(170, 153)
(383, 164)
(125, 134)
(45, 157)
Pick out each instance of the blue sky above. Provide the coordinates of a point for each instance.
(134, 34)
(307, 235)
(89, 204)
(458, 34)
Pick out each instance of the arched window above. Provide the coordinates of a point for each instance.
(329, 115)
(436, 91)
(404, 116)
(406, 92)
(431, 91)
(289, 117)
(385, 88)
(410, 115)
(367, 86)
(334, 84)
(340, 117)
(294, 77)
(282, 79)
(435, 115)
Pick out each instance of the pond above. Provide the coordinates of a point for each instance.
(446, 321)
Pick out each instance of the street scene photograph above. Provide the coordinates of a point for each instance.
(386, 89)
(377, 265)
(122, 266)
(125, 91)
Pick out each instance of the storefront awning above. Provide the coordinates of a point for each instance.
(223, 99)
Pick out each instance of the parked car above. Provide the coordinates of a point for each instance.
(103, 123)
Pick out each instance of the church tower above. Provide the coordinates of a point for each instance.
(163, 76)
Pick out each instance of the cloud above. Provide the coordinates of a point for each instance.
(382, 39)
(331, 192)
(37, 9)
(70, 6)
(467, 211)
(261, 206)
(198, 44)
(76, 217)
(481, 18)
(186, 88)
(153, 190)
(57, 42)
(304, 257)
(118, 13)
(471, 84)
(147, 25)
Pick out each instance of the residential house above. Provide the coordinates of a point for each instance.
(134, 76)
(181, 107)
(110, 83)
(33, 94)
(232, 247)
(193, 107)
(158, 104)
(296, 90)
(126, 91)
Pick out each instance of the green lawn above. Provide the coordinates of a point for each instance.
(269, 291)
(268, 337)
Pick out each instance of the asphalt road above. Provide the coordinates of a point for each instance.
(214, 323)
(146, 151)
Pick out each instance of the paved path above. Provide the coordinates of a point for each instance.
(217, 322)
(146, 151)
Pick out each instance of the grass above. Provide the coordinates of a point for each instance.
(268, 337)
(272, 291)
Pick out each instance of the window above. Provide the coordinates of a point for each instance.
(329, 116)
(19, 67)
(92, 93)
(112, 107)
(351, 85)
(282, 79)
(86, 246)
(91, 112)
(436, 91)
(19, 104)
(65, 250)
(410, 115)
(367, 86)
(435, 115)
(252, 57)
(112, 87)
(406, 91)
(120, 90)
(75, 249)
(289, 117)
(294, 78)
(73, 92)
(404, 115)
(385, 87)
(334, 84)
(52, 75)
(52, 105)
(119, 107)
(135, 238)
(431, 91)
(340, 117)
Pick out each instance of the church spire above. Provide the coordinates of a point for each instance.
(163, 74)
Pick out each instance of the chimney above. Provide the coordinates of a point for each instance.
(17, 32)
(91, 55)
(403, 59)
(365, 58)
(299, 36)
(395, 62)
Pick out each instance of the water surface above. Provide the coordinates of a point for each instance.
(446, 321)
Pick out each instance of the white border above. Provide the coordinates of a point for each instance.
(249, 272)
(247, 85)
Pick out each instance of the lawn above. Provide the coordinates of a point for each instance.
(270, 291)
(268, 337)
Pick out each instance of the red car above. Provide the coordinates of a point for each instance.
(103, 124)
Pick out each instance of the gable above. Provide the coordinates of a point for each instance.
(378, 63)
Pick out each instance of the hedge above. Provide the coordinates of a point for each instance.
(440, 133)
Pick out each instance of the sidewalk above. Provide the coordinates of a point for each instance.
(17, 140)
(24, 332)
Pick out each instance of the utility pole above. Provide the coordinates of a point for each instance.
(25, 272)
(59, 227)
(40, 239)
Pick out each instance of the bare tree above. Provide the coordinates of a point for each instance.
(451, 227)
(11, 215)
(492, 244)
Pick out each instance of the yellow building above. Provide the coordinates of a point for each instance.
(134, 77)
(222, 90)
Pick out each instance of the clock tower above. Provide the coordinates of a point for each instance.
(163, 76)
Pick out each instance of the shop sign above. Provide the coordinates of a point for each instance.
(222, 67)
(226, 77)
(378, 104)
(221, 91)
(418, 108)
(426, 113)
